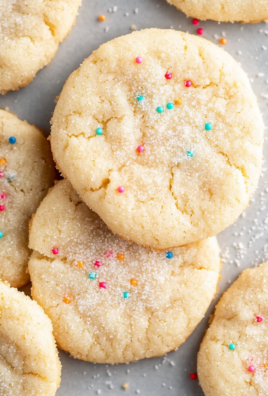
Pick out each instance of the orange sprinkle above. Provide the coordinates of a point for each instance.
(178, 101)
(102, 18)
(3, 161)
(121, 256)
(265, 365)
(80, 264)
(223, 41)
(133, 282)
(67, 299)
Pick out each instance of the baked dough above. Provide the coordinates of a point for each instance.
(30, 33)
(188, 106)
(233, 358)
(111, 301)
(29, 362)
(225, 10)
(26, 173)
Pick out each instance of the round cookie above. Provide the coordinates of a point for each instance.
(233, 358)
(160, 134)
(26, 173)
(111, 301)
(224, 10)
(30, 33)
(29, 362)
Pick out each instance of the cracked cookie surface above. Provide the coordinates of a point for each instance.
(201, 156)
(26, 173)
(233, 358)
(29, 362)
(30, 33)
(224, 10)
(111, 301)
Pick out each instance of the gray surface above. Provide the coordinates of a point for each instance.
(36, 102)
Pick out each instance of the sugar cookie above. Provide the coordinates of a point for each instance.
(29, 363)
(26, 173)
(160, 133)
(224, 10)
(233, 359)
(111, 301)
(30, 33)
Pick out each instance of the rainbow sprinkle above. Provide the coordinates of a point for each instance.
(92, 275)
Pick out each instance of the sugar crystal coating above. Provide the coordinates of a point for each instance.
(190, 184)
(29, 359)
(224, 10)
(27, 172)
(137, 304)
(242, 364)
(30, 33)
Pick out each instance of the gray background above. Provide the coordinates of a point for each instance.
(243, 245)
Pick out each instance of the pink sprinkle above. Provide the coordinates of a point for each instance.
(195, 21)
(259, 319)
(97, 264)
(3, 195)
(193, 376)
(2, 208)
(109, 254)
(168, 76)
(103, 285)
(139, 59)
(1, 174)
(140, 149)
(55, 251)
(121, 189)
(200, 31)
(188, 83)
(251, 369)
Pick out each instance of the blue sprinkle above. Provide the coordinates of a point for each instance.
(190, 153)
(99, 131)
(12, 140)
(232, 347)
(92, 275)
(208, 126)
(1, 234)
(170, 106)
(126, 294)
(159, 109)
(169, 255)
(140, 98)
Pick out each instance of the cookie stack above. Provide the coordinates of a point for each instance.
(159, 134)
(159, 139)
